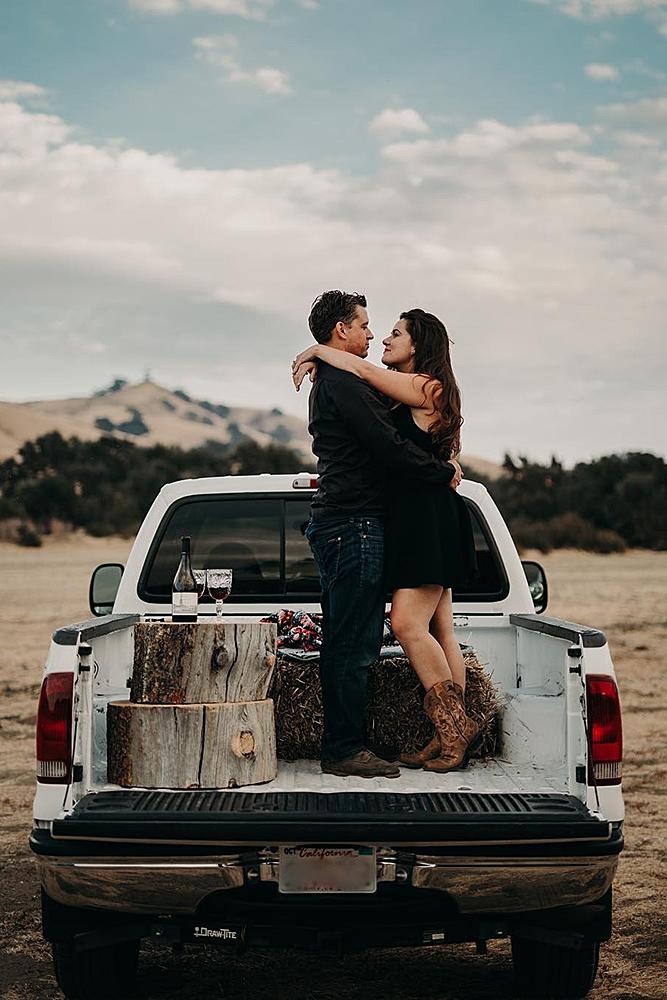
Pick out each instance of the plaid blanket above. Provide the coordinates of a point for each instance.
(300, 631)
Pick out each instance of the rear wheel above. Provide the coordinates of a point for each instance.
(97, 973)
(551, 972)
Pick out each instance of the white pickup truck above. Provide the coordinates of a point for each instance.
(523, 846)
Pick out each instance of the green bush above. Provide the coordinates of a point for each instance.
(603, 505)
(566, 531)
(9, 508)
(28, 537)
(106, 486)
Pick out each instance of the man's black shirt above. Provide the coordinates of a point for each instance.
(357, 445)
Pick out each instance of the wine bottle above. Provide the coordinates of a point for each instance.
(184, 588)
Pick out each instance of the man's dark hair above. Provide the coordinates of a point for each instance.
(330, 308)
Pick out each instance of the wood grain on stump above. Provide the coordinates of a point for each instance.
(191, 746)
(180, 664)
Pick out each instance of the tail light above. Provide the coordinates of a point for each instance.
(606, 730)
(305, 481)
(54, 729)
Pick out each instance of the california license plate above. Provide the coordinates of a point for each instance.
(312, 868)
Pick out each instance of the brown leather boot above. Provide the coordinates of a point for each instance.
(364, 764)
(459, 734)
(419, 758)
(436, 711)
(432, 749)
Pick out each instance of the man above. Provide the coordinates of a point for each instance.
(356, 444)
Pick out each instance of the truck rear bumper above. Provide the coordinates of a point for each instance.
(163, 852)
(178, 884)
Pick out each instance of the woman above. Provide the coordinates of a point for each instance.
(429, 542)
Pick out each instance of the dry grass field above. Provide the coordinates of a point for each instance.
(625, 595)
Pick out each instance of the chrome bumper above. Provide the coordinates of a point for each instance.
(178, 886)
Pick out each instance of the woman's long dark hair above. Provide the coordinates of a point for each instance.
(432, 358)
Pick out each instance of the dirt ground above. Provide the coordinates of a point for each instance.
(623, 594)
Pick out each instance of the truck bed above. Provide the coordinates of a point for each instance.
(480, 776)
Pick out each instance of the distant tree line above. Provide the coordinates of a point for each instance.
(604, 505)
(106, 486)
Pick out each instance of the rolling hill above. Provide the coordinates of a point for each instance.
(147, 414)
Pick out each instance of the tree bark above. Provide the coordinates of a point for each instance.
(191, 746)
(239, 744)
(183, 664)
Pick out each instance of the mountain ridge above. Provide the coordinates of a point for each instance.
(148, 413)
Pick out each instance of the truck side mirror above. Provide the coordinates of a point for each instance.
(104, 584)
(537, 583)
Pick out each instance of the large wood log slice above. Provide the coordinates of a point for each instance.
(179, 664)
(239, 744)
(191, 746)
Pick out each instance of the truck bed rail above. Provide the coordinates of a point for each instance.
(68, 635)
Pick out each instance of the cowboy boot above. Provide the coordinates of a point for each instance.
(459, 734)
(419, 758)
(432, 749)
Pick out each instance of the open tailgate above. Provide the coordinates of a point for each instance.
(265, 818)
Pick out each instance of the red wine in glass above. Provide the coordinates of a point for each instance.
(219, 593)
(219, 587)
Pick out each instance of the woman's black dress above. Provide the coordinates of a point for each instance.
(428, 531)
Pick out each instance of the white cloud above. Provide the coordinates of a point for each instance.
(17, 90)
(394, 121)
(487, 139)
(597, 10)
(648, 110)
(270, 80)
(636, 139)
(223, 52)
(252, 10)
(125, 208)
(593, 164)
(540, 252)
(601, 71)
(25, 136)
(641, 68)
(158, 6)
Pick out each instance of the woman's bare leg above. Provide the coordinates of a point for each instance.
(442, 628)
(411, 612)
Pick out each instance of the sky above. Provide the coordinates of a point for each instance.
(180, 178)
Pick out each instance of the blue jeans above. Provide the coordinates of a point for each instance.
(350, 555)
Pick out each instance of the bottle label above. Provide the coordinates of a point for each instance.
(183, 604)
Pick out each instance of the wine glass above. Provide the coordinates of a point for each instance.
(200, 580)
(219, 587)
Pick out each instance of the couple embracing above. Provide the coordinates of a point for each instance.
(386, 517)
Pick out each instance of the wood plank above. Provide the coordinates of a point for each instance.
(191, 746)
(177, 663)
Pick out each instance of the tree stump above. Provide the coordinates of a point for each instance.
(239, 744)
(191, 746)
(180, 664)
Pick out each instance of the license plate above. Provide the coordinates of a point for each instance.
(312, 868)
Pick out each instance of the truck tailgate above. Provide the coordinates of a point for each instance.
(260, 819)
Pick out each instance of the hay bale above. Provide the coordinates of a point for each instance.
(297, 699)
(395, 720)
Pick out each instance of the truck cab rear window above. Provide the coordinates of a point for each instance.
(262, 541)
